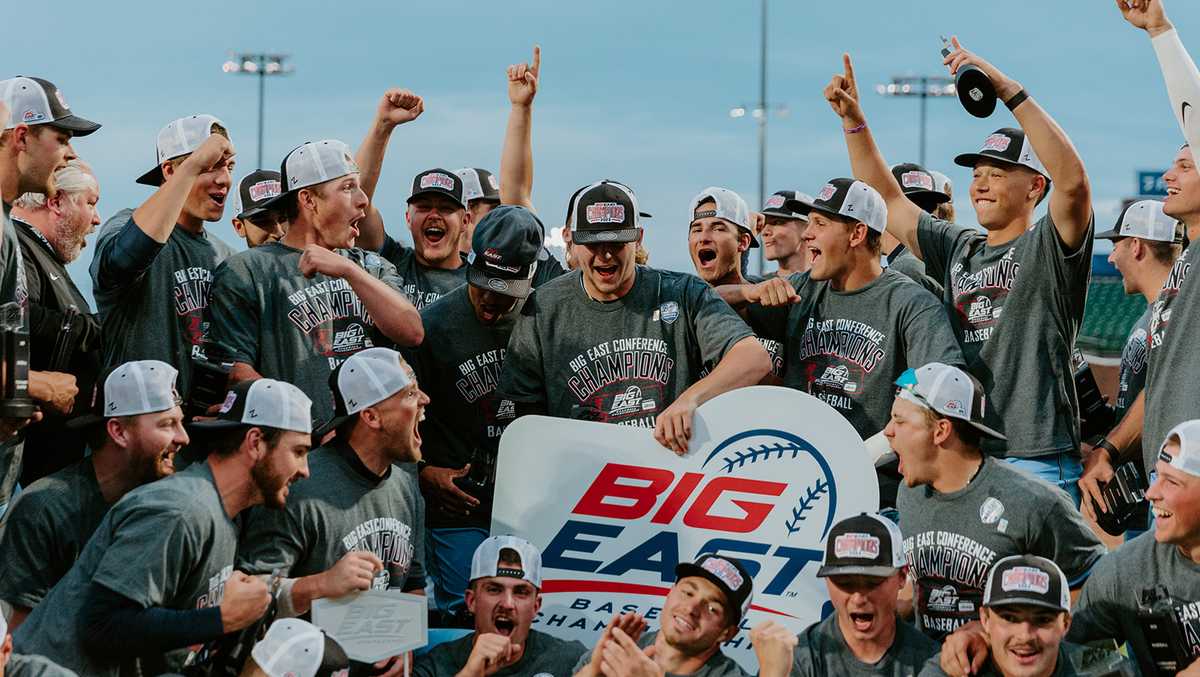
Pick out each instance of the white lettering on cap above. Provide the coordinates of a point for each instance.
(605, 212)
(826, 191)
(1025, 579)
(264, 189)
(916, 180)
(724, 571)
(857, 546)
(437, 180)
(996, 142)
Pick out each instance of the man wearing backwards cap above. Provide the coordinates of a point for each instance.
(920, 187)
(505, 595)
(1146, 243)
(864, 571)
(157, 574)
(1172, 390)
(943, 185)
(481, 190)
(296, 308)
(296, 648)
(359, 524)
(1025, 616)
(252, 221)
(958, 505)
(663, 326)
(1156, 572)
(152, 268)
(460, 360)
(135, 435)
(783, 232)
(1015, 294)
(850, 326)
(703, 610)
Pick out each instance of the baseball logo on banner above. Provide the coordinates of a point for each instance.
(770, 470)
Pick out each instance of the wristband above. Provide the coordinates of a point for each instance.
(1109, 449)
(1016, 99)
(855, 130)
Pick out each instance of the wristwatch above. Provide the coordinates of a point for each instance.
(1110, 449)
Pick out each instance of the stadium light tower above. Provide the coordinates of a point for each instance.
(922, 87)
(262, 65)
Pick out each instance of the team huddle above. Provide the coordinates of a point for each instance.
(235, 435)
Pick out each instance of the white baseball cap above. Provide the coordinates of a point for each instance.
(365, 379)
(1145, 219)
(949, 391)
(486, 561)
(295, 648)
(132, 389)
(177, 139)
(313, 163)
(850, 199)
(730, 206)
(478, 184)
(265, 403)
(1187, 458)
(941, 182)
(34, 101)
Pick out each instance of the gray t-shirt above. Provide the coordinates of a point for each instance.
(167, 544)
(45, 530)
(265, 313)
(342, 507)
(903, 261)
(717, 665)
(1172, 392)
(12, 288)
(34, 666)
(150, 296)
(849, 347)
(1141, 574)
(1024, 363)
(1133, 364)
(544, 655)
(951, 540)
(1073, 661)
(623, 361)
(822, 650)
(458, 365)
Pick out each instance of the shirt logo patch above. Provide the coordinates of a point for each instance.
(996, 142)
(437, 180)
(991, 510)
(1025, 579)
(916, 180)
(630, 402)
(351, 338)
(858, 546)
(605, 212)
(264, 189)
(837, 376)
(669, 312)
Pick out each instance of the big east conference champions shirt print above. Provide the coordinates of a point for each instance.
(770, 470)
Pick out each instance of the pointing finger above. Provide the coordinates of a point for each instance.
(537, 59)
(849, 67)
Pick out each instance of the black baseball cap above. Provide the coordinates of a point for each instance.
(34, 101)
(255, 190)
(575, 198)
(479, 184)
(1007, 145)
(776, 205)
(847, 199)
(439, 181)
(606, 211)
(505, 249)
(728, 574)
(1027, 580)
(864, 545)
(919, 186)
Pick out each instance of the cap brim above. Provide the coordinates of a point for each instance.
(784, 214)
(253, 211)
(430, 191)
(971, 159)
(329, 426)
(1112, 234)
(605, 236)
(154, 177)
(987, 431)
(216, 424)
(876, 571)
(76, 125)
(84, 421)
(1025, 601)
(515, 287)
(645, 215)
(933, 196)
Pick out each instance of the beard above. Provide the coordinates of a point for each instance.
(269, 485)
(67, 241)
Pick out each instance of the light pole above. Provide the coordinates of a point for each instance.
(922, 87)
(261, 65)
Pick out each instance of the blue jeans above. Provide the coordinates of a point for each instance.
(448, 561)
(1061, 470)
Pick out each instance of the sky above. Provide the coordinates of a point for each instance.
(634, 91)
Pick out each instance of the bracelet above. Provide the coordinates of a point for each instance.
(1016, 99)
(1109, 449)
(855, 130)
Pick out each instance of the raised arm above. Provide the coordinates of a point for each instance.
(1071, 199)
(516, 160)
(1178, 69)
(397, 107)
(157, 216)
(866, 162)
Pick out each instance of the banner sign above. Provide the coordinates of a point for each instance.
(769, 471)
(374, 624)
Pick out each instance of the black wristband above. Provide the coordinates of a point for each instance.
(1110, 450)
(1016, 99)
